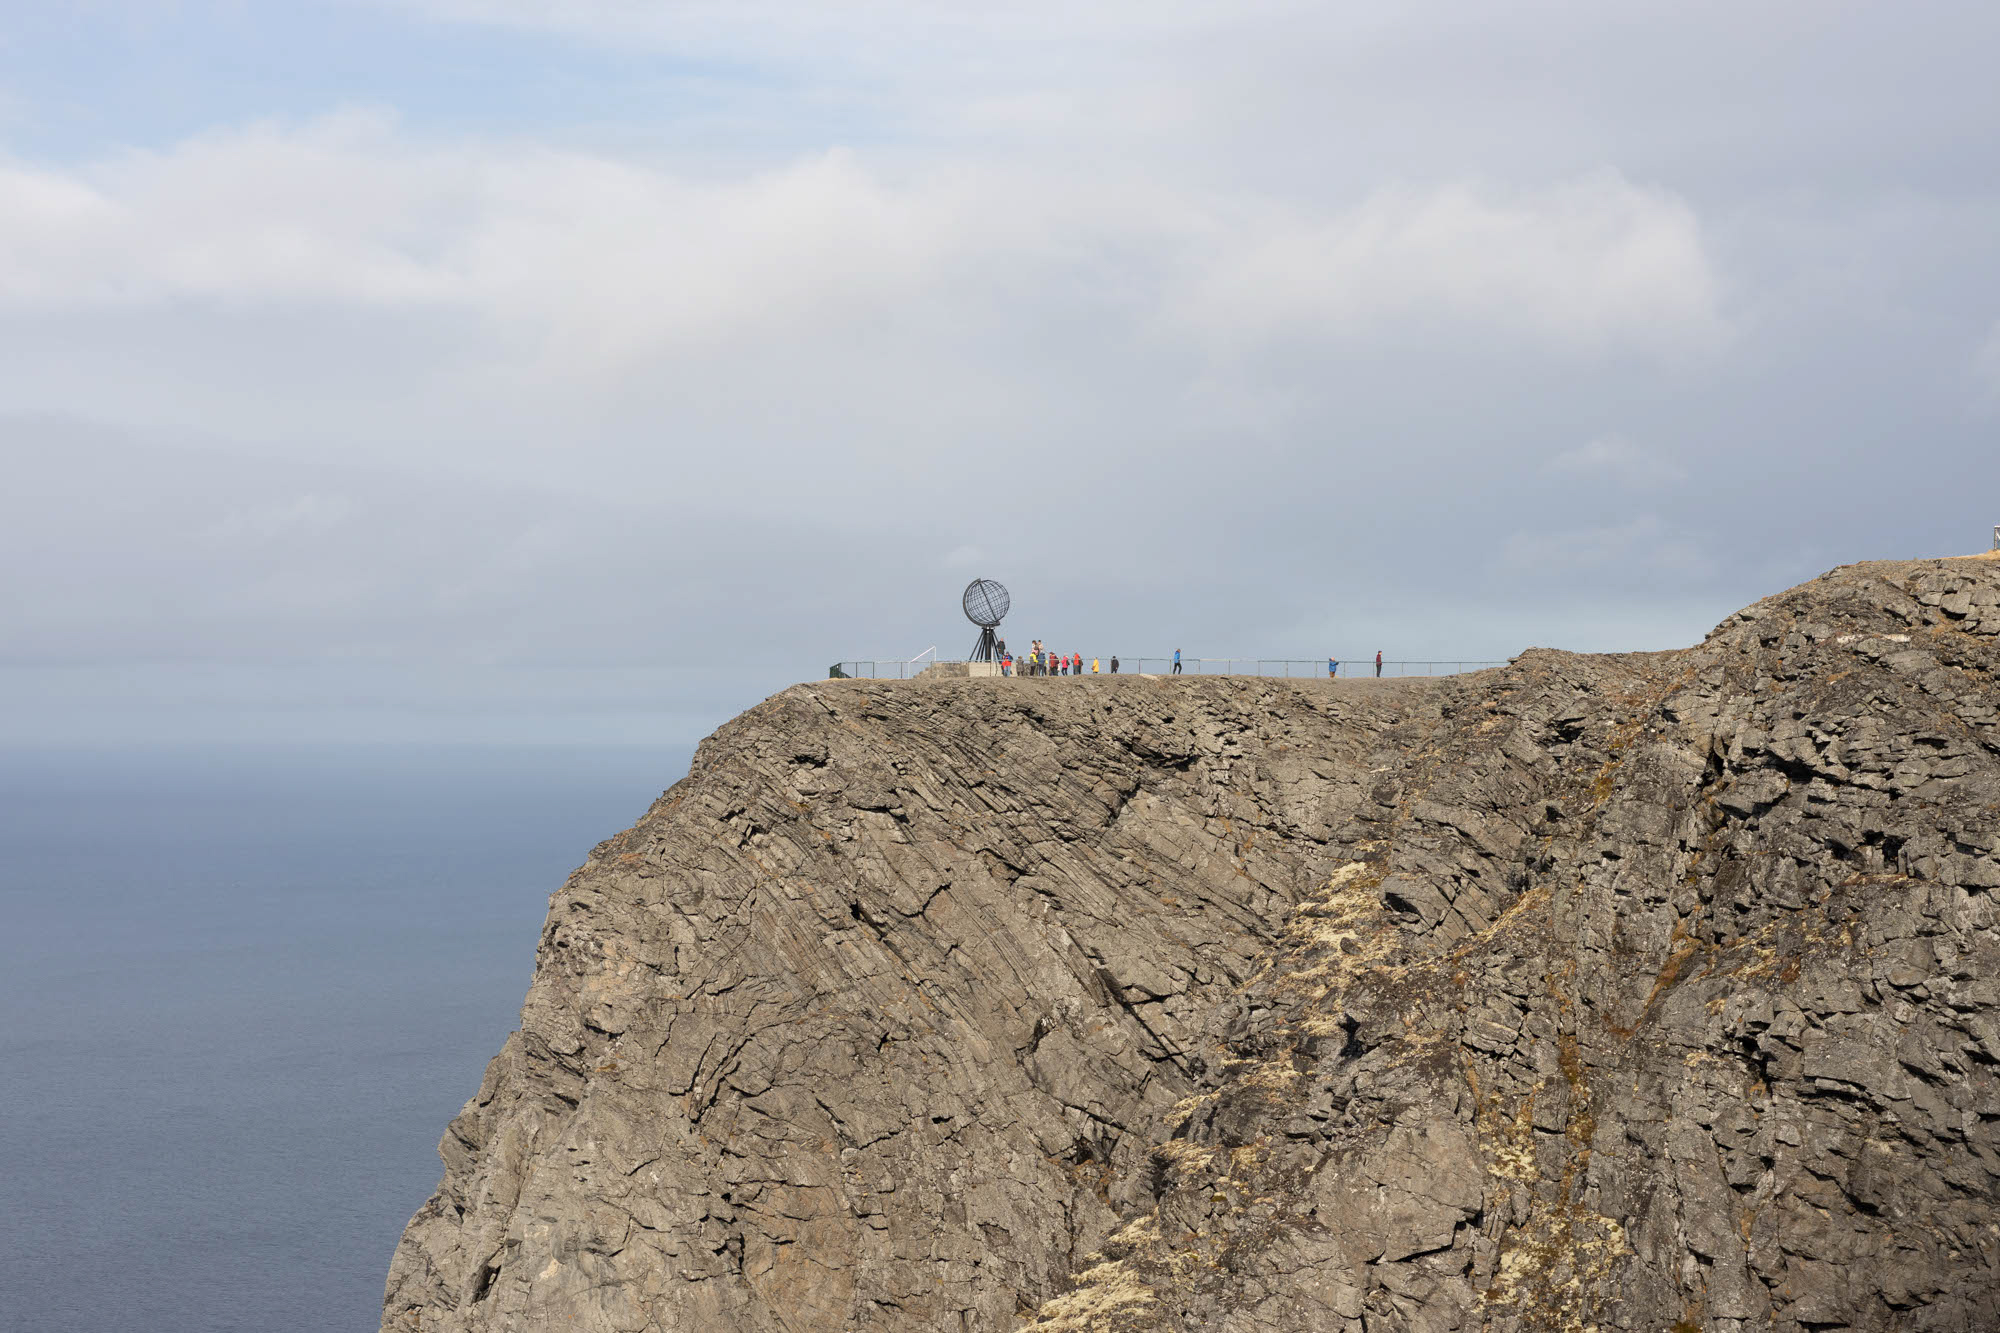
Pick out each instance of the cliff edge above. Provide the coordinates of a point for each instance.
(1640, 992)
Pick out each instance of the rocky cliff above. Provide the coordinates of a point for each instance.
(1649, 992)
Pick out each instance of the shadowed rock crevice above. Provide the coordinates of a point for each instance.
(1629, 992)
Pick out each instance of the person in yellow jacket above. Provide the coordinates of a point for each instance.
(1093, 666)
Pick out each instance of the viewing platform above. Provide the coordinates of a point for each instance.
(1292, 668)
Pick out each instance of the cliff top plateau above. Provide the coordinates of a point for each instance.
(1656, 991)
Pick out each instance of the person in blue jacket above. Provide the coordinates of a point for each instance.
(1177, 661)
(1332, 668)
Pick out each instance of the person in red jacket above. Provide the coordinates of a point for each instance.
(1378, 661)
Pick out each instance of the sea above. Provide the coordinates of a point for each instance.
(242, 991)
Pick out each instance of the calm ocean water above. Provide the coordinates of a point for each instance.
(241, 992)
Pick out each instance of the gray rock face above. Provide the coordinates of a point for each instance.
(1647, 992)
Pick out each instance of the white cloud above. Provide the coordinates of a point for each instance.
(596, 255)
(335, 213)
(1615, 458)
(1588, 265)
(587, 261)
(836, 333)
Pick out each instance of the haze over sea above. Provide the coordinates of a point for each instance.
(244, 991)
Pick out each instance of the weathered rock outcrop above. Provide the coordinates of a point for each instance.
(1646, 992)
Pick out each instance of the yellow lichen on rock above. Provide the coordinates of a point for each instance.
(1104, 1298)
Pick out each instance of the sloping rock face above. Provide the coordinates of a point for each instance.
(1651, 992)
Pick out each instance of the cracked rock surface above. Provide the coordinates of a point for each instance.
(1645, 992)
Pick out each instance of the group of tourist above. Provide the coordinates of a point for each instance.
(1041, 662)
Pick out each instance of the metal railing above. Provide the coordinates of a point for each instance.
(887, 668)
(1293, 667)
(1301, 666)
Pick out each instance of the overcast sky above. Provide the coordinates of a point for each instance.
(588, 369)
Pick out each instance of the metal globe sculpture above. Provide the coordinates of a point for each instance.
(986, 604)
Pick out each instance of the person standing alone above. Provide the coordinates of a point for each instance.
(1177, 661)
(1332, 668)
(1378, 662)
